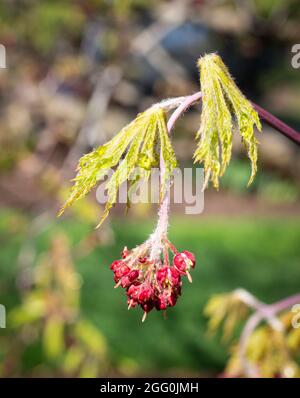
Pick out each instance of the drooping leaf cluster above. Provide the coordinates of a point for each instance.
(223, 106)
(133, 152)
(139, 146)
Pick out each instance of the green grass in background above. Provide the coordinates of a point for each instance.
(259, 255)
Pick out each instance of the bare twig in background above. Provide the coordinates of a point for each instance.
(91, 132)
(148, 42)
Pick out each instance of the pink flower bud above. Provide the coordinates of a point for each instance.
(116, 264)
(175, 276)
(127, 280)
(146, 293)
(122, 271)
(162, 274)
(184, 261)
(134, 291)
(133, 275)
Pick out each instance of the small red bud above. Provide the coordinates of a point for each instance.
(133, 292)
(147, 307)
(133, 275)
(184, 261)
(115, 265)
(122, 271)
(127, 280)
(146, 294)
(162, 274)
(175, 276)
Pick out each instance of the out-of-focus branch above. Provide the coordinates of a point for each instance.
(257, 305)
(263, 312)
(97, 106)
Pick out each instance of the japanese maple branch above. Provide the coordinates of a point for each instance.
(186, 103)
(277, 124)
(181, 104)
(271, 120)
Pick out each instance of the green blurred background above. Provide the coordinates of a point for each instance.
(77, 71)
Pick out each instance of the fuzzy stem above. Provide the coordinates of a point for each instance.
(185, 102)
(163, 213)
(189, 100)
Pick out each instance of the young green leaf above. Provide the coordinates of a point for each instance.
(222, 100)
(138, 143)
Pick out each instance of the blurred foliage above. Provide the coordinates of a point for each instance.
(272, 187)
(45, 22)
(267, 8)
(278, 190)
(225, 310)
(49, 317)
(44, 25)
(273, 353)
(229, 254)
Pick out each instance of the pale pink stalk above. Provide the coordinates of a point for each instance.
(163, 213)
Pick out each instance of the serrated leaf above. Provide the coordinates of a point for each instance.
(93, 166)
(123, 172)
(222, 100)
(138, 142)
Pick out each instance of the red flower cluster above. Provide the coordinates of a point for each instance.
(152, 284)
